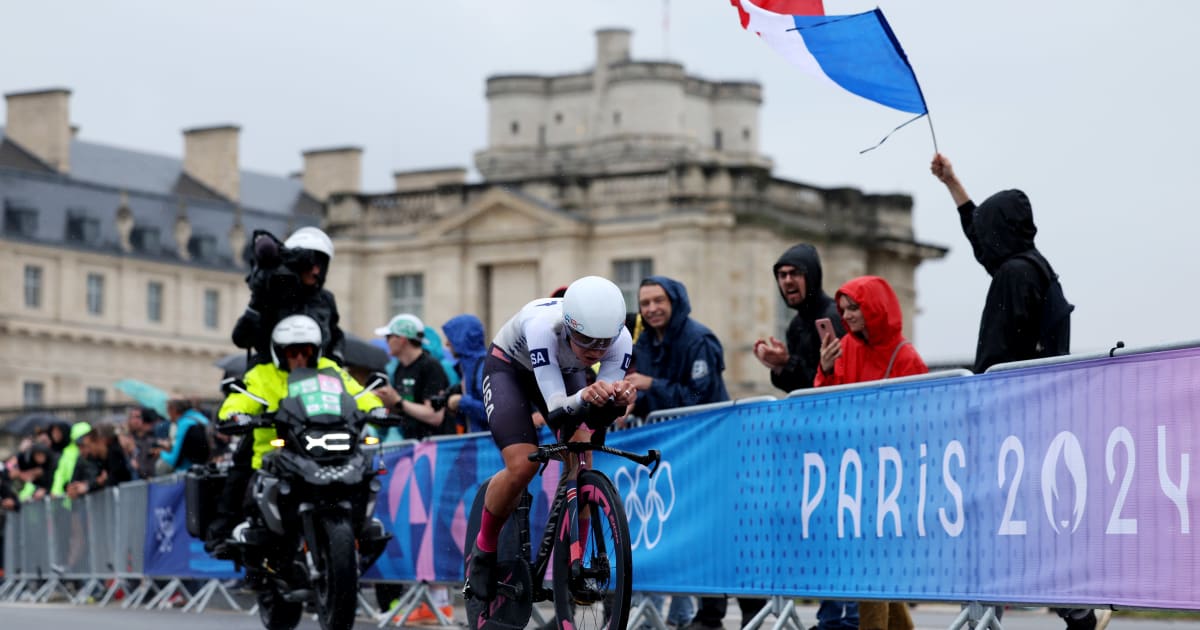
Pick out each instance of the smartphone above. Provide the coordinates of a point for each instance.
(825, 328)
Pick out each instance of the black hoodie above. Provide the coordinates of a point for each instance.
(1001, 232)
(803, 341)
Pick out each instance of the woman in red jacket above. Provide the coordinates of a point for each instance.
(872, 349)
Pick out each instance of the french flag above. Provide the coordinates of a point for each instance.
(857, 52)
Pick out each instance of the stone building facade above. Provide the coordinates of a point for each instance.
(628, 169)
(119, 264)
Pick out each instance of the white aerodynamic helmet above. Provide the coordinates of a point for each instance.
(293, 330)
(311, 238)
(595, 307)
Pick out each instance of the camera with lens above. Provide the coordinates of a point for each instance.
(438, 401)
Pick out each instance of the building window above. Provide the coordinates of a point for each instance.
(95, 396)
(211, 303)
(629, 275)
(541, 135)
(406, 294)
(558, 118)
(33, 286)
(203, 247)
(616, 119)
(145, 240)
(81, 228)
(19, 219)
(718, 141)
(95, 294)
(33, 394)
(515, 128)
(154, 299)
(746, 134)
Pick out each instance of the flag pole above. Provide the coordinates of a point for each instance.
(931, 132)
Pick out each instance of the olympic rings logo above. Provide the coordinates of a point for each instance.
(648, 502)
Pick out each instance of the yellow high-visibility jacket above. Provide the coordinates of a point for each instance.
(271, 384)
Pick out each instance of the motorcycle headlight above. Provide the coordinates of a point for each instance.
(335, 442)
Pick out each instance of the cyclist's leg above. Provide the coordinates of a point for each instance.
(510, 419)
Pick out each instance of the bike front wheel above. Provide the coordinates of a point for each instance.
(594, 596)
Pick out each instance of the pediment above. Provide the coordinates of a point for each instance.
(502, 213)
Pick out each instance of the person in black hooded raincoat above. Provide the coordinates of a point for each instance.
(1025, 315)
(798, 276)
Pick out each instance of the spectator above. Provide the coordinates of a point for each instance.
(102, 449)
(36, 467)
(1025, 314)
(57, 437)
(64, 472)
(874, 348)
(190, 443)
(288, 279)
(679, 363)
(466, 338)
(432, 342)
(10, 474)
(418, 379)
(142, 423)
(794, 366)
(798, 275)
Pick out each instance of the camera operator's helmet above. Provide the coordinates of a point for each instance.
(309, 246)
(295, 330)
(594, 307)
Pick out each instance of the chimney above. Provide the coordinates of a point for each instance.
(335, 170)
(210, 155)
(40, 121)
(408, 181)
(612, 46)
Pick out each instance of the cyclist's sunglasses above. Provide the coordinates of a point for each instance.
(590, 343)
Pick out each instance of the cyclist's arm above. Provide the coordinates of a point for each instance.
(543, 356)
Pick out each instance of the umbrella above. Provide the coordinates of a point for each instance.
(232, 364)
(362, 353)
(145, 394)
(25, 424)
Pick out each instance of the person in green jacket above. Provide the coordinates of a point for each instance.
(66, 462)
(295, 343)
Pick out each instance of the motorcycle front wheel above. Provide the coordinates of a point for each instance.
(337, 588)
(277, 614)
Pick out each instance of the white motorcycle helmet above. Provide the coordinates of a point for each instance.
(594, 307)
(295, 330)
(311, 238)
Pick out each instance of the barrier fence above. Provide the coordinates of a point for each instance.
(1059, 483)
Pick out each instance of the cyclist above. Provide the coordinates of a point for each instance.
(539, 362)
(295, 344)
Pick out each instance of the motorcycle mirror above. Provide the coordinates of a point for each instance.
(231, 385)
(376, 379)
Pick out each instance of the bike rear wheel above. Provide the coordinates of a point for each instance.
(598, 598)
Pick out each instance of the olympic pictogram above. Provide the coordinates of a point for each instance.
(648, 502)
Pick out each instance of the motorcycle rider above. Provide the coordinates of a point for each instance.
(295, 344)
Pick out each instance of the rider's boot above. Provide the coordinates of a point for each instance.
(481, 574)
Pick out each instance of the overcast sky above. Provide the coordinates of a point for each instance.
(1088, 107)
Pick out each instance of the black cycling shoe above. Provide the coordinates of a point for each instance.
(481, 574)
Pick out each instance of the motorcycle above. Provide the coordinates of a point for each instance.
(310, 532)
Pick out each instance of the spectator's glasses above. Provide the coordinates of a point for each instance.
(590, 343)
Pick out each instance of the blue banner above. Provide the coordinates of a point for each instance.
(170, 550)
